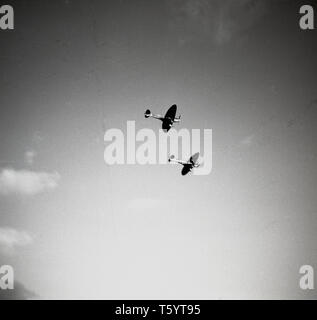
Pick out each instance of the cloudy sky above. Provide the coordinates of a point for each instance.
(74, 227)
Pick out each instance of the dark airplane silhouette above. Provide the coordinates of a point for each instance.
(188, 165)
(168, 120)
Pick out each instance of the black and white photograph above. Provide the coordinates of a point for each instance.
(158, 150)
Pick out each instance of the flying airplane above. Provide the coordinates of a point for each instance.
(188, 165)
(168, 120)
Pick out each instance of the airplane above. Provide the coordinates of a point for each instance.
(168, 120)
(188, 165)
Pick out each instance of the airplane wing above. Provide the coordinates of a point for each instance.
(171, 112)
(186, 169)
(194, 158)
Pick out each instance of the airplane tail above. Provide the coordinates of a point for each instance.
(172, 159)
(147, 113)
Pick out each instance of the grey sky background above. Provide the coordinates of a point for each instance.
(74, 227)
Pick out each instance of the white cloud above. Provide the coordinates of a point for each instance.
(27, 182)
(29, 156)
(20, 292)
(11, 238)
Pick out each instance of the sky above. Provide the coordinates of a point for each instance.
(74, 227)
